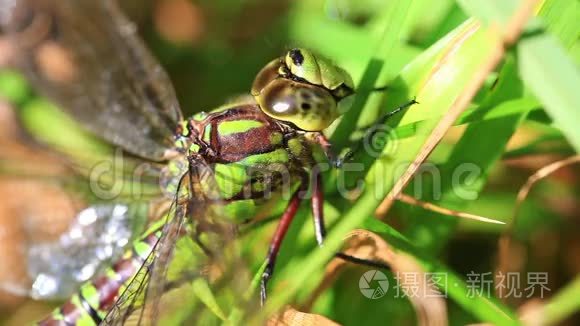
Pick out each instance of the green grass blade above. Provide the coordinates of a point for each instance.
(490, 11)
(563, 304)
(562, 19)
(553, 78)
(472, 157)
(543, 63)
(378, 73)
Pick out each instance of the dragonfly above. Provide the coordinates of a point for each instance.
(217, 169)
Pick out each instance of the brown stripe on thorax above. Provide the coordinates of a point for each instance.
(237, 146)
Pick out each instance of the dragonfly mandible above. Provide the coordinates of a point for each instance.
(219, 167)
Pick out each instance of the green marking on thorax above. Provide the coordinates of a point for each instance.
(230, 178)
(276, 138)
(237, 126)
(295, 146)
(207, 133)
(277, 156)
(233, 171)
(241, 210)
(200, 116)
(194, 148)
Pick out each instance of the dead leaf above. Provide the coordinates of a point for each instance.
(291, 316)
(429, 305)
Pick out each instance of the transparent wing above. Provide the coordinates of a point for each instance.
(97, 236)
(132, 306)
(86, 56)
(197, 241)
(54, 234)
(134, 293)
(60, 242)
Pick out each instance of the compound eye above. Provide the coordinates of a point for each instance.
(308, 107)
(303, 64)
(277, 99)
(265, 76)
(318, 70)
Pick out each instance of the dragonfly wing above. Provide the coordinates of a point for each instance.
(131, 301)
(59, 242)
(209, 235)
(98, 235)
(179, 259)
(86, 56)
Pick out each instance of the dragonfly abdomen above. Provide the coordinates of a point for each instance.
(94, 300)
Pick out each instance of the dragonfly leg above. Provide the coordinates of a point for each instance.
(276, 242)
(321, 140)
(317, 203)
(372, 131)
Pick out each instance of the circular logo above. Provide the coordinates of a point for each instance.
(373, 284)
(379, 141)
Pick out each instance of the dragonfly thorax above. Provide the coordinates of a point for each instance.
(254, 158)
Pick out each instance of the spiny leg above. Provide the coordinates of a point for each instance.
(317, 202)
(326, 146)
(276, 242)
(385, 117)
(338, 161)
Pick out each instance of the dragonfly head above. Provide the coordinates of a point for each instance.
(304, 89)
